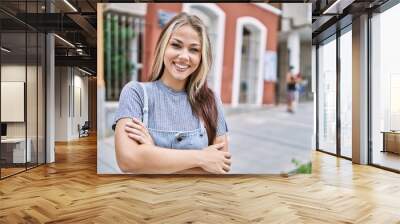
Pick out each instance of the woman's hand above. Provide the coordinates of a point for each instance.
(214, 160)
(138, 132)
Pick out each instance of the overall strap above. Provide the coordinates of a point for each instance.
(145, 104)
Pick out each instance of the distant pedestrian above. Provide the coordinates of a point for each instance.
(291, 89)
(298, 91)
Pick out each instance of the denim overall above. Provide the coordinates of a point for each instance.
(195, 139)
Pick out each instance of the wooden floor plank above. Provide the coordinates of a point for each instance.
(70, 191)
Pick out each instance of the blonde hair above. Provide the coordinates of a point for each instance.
(199, 77)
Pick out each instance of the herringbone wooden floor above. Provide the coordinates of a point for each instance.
(70, 191)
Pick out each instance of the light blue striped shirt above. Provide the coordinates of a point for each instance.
(169, 110)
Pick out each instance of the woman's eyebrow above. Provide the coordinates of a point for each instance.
(177, 40)
(180, 42)
(195, 44)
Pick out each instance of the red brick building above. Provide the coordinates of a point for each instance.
(241, 34)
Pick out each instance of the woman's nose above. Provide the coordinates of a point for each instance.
(184, 55)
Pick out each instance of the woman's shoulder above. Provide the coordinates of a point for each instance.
(135, 84)
(136, 87)
(130, 88)
(132, 85)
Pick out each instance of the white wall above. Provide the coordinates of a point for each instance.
(133, 9)
(296, 12)
(33, 126)
(67, 114)
(61, 103)
(293, 44)
(12, 73)
(80, 83)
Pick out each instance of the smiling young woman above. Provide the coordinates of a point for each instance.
(174, 123)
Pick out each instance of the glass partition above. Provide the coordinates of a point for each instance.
(327, 96)
(13, 89)
(22, 88)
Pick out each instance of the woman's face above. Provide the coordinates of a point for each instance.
(183, 53)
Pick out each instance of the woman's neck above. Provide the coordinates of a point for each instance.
(177, 85)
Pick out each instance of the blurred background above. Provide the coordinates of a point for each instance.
(49, 68)
(254, 46)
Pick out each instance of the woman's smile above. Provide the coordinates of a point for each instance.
(180, 67)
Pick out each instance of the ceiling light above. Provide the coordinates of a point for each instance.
(331, 7)
(337, 7)
(70, 5)
(5, 49)
(65, 41)
(84, 71)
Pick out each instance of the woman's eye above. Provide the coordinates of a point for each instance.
(175, 45)
(194, 50)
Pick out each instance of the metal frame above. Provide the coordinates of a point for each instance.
(338, 98)
(37, 92)
(369, 98)
(26, 88)
(44, 80)
(0, 95)
(317, 96)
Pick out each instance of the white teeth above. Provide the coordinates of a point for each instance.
(180, 67)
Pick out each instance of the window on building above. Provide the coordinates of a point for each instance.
(122, 56)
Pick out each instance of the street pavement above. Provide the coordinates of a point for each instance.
(265, 140)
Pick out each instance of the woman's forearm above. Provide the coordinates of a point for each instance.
(196, 170)
(150, 159)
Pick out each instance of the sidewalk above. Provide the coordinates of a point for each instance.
(261, 140)
(265, 140)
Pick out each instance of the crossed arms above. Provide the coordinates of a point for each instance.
(136, 153)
